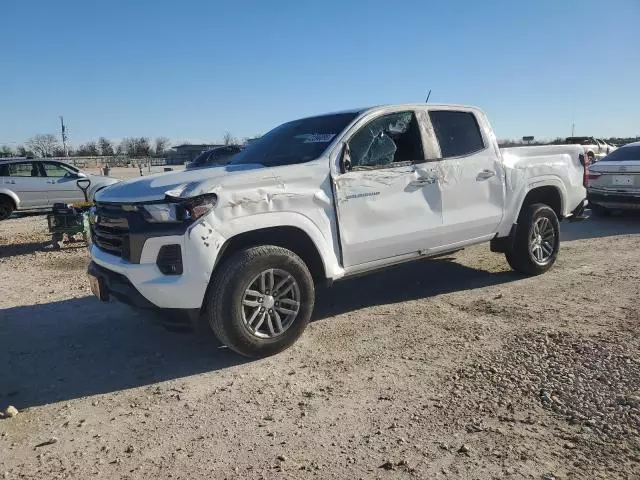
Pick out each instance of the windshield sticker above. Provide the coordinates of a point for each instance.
(316, 137)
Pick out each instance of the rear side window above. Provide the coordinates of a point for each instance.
(4, 170)
(27, 169)
(458, 133)
(623, 154)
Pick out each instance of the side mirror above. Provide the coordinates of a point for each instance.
(345, 159)
(81, 175)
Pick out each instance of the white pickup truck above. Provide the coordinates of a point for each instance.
(321, 199)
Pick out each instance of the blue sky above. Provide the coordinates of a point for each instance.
(191, 69)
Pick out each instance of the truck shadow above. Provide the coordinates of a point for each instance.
(78, 347)
(622, 223)
(409, 281)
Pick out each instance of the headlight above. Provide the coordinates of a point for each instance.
(162, 212)
(196, 207)
(177, 210)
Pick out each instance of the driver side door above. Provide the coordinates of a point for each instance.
(388, 199)
(61, 183)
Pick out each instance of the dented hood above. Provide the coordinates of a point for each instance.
(182, 183)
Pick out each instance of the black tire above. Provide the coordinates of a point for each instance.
(6, 207)
(600, 211)
(520, 256)
(224, 302)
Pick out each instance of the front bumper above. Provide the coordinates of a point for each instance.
(116, 285)
(615, 200)
(143, 284)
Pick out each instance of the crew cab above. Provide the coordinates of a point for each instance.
(242, 246)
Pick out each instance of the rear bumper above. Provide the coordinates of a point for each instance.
(614, 200)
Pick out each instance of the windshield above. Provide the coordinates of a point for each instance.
(623, 154)
(295, 142)
(201, 159)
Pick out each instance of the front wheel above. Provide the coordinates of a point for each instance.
(537, 240)
(261, 300)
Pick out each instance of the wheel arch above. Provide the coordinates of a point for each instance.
(286, 236)
(550, 195)
(4, 193)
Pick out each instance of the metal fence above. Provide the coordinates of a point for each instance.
(115, 161)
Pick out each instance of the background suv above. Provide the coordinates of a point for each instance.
(36, 184)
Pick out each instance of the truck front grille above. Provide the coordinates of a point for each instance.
(110, 230)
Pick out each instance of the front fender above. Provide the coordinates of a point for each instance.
(11, 194)
(235, 226)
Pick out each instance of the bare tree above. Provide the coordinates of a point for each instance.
(105, 146)
(59, 152)
(23, 152)
(229, 139)
(6, 151)
(161, 145)
(43, 144)
(135, 147)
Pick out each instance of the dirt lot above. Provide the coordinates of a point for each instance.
(454, 368)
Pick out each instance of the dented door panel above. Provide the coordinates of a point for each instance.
(472, 196)
(388, 212)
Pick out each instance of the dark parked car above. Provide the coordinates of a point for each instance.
(215, 157)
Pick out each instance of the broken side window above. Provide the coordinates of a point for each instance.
(389, 139)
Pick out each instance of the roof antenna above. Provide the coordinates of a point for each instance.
(428, 95)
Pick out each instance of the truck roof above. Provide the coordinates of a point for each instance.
(439, 106)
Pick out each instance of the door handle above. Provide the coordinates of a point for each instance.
(485, 174)
(423, 181)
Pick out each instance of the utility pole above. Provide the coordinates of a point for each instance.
(573, 129)
(428, 95)
(63, 133)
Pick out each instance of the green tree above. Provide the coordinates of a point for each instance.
(105, 146)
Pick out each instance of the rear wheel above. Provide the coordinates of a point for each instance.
(6, 207)
(537, 240)
(261, 300)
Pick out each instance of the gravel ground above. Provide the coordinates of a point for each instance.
(452, 368)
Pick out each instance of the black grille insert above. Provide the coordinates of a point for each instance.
(110, 230)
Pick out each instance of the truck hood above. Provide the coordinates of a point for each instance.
(179, 184)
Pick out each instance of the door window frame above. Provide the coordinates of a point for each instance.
(479, 123)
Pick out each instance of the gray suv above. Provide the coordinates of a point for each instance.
(36, 184)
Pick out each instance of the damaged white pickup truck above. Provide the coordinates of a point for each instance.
(321, 199)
